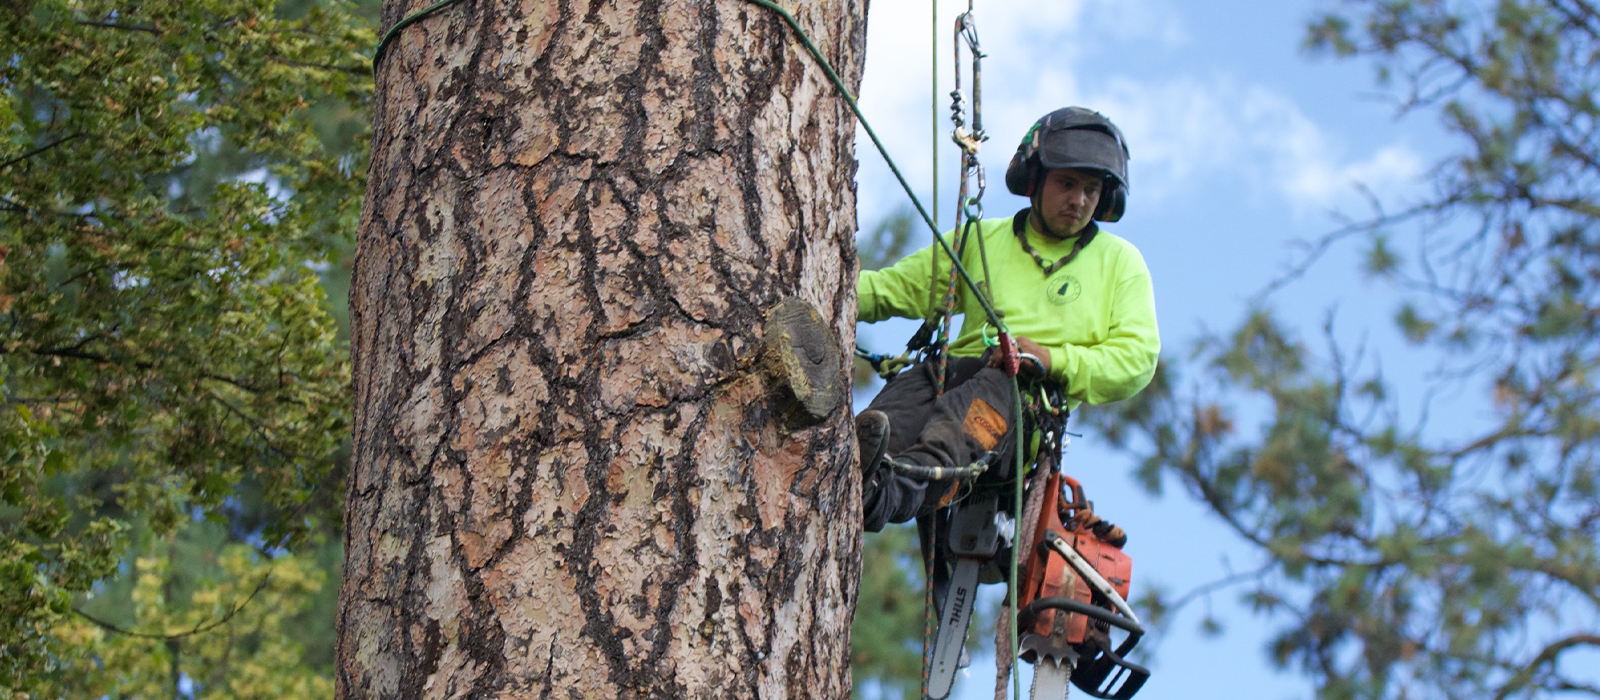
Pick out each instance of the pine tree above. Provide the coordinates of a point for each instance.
(165, 205)
(1409, 558)
(603, 278)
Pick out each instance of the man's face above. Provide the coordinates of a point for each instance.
(1067, 201)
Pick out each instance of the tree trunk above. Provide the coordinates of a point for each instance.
(598, 453)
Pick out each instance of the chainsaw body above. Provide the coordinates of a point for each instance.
(1068, 607)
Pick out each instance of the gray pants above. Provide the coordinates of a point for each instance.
(973, 417)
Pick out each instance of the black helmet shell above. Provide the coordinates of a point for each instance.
(1077, 138)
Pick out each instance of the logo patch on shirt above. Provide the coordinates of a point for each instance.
(1062, 289)
(984, 424)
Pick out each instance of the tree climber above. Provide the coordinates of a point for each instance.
(1077, 298)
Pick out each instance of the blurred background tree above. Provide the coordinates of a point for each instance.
(886, 636)
(227, 624)
(889, 240)
(178, 182)
(1406, 557)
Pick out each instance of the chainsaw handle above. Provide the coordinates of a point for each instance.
(1095, 612)
(1078, 500)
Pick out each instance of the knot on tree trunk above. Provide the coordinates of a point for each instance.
(800, 354)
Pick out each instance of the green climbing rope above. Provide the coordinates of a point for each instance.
(413, 18)
(850, 100)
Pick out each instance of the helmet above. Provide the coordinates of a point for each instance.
(1079, 138)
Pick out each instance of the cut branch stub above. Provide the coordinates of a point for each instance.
(801, 355)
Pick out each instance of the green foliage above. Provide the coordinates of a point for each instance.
(173, 177)
(199, 614)
(890, 239)
(1408, 558)
(1381, 259)
(39, 567)
(886, 636)
(1411, 323)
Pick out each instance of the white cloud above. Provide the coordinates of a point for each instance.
(1190, 134)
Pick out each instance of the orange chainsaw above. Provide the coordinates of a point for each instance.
(1074, 592)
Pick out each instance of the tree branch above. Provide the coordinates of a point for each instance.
(362, 71)
(1322, 244)
(199, 628)
(38, 150)
(232, 381)
(1576, 18)
(1546, 657)
(146, 28)
(255, 426)
(1209, 587)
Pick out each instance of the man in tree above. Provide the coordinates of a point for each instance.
(1077, 298)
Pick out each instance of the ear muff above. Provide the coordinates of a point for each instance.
(1113, 201)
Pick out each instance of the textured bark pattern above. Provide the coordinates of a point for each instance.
(571, 478)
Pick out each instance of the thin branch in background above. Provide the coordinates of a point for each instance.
(1548, 656)
(1316, 249)
(199, 628)
(146, 28)
(1575, 18)
(40, 400)
(240, 383)
(14, 205)
(255, 426)
(362, 71)
(1208, 588)
(1564, 684)
(38, 150)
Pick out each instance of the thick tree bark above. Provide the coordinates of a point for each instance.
(576, 472)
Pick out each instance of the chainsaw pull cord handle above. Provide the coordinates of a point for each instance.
(1080, 513)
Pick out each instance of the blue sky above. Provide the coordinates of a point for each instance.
(1242, 146)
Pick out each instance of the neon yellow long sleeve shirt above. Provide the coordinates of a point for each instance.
(1096, 316)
